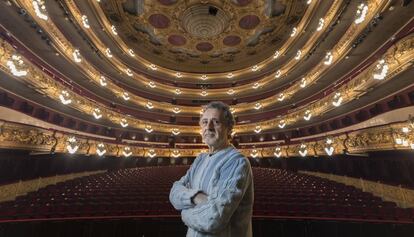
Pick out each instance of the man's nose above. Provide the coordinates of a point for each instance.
(210, 124)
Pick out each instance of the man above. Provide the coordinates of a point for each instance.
(215, 196)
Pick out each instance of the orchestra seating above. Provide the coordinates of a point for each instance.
(143, 192)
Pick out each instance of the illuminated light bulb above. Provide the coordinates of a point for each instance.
(405, 130)
(361, 13)
(148, 128)
(258, 106)
(233, 133)
(153, 67)
(309, 2)
(124, 123)
(178, 75)
(127, 151)
(258, 129)
(255, 68)
(298, 55)
(230, 92)
(85, 22)
(40, 9)
(175, 153)
(149, 105)
(108, 53)
(151, 153)
(278, 74)
(100, 149)
(329, 150)
(129, 72)
(204, 93)
(113, 29)
(405, 142)
(175, 131)
(307, 115)
(337, 100)
(281, 97)
(232, 110)
(254, 153)
(412, 145)
(152, 84)
(97, 113)
(328, 58)
(65, 97)
(282, 123)
(177, 91)
(102, 81)
(230, 75)
(204, 77)
(320, 24)
(256, 85)
(302, 150)
(381, 70)
(278, 152)
(131, 52)
(77, 56)
(16, 65)
(303, 83)
(294, 31)
(176, 110)
(72, 146)
(398, 141)
(276, 54)
(125, 95)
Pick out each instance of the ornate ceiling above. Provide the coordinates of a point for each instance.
(139, 71)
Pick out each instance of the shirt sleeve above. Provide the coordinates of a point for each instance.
(214, 215)
(181, 191)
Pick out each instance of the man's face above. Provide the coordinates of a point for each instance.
(214, 131)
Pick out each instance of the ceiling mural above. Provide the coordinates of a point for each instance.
(204, 35)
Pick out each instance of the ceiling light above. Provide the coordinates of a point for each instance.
(40, 9)
(100, 149)
(148, 128)
(256, 85)
(124, 123)
(298, 55)
(65, 97)
(276, 54)
(230, 92)
(72, 146)
(108, 53)
(85, 22)
(152, 84)
(153, 67)
(113, 28)
(230, 75)
(294, 31)
(97, 113)
(278, 152)
(308, 115)
(131, 52)
(149, 105)
(328, 58)
(282, 123)
(204, 77)
(302, 150)
(337, 100)
(102, 81)
(128, 72)
(204, 93)
(178, 75)
(127, 151)
(16, 66)
(125, 95)
(176, 110)
(380, 70)
(303, 82)
(255, 68)
(175, 131)
(278, 74)
(258, 106)
(320, 24)
(258, 129)
(177, 91)
(76, 56)
(281, 97)
(361, 13)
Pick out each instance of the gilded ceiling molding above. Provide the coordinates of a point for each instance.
(26, 137)
(394, 61)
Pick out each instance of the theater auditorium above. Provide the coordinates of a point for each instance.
(104, 118)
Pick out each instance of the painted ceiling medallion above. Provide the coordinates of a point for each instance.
(204, 35)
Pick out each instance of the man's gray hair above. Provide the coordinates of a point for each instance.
(225, 109)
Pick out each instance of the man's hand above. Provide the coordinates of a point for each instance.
(200, 198)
